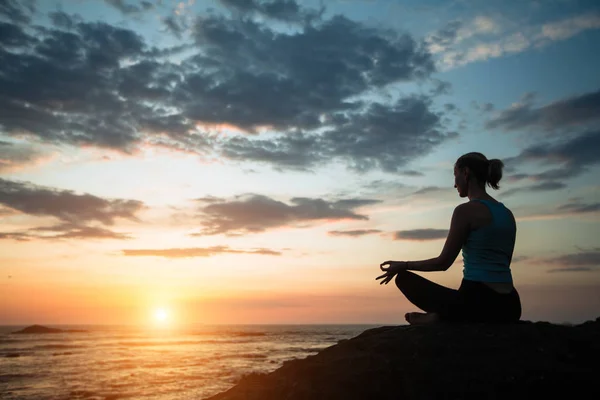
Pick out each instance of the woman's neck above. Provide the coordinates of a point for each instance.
(478, 193)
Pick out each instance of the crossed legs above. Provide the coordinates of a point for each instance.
(436, 300)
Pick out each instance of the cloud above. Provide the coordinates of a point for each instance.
(104, 86)
(354, 233)
(430, 189)
(74, 231)
(257, 213)
(18, 236)
(564, 29)
(576, 207)
(284, 10)
(568, 157)
(572, 269)
(336, 59)
(541, 187)
(128, 8)
(18, 11)
(421, 234)
(460, 43)
(575, 262)
(75, 211)
(385, 137)
(573, 111)
(194, 252)
(65, 204)
(15, 156)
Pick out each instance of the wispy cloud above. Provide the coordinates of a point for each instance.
(421, 234)
(584, 261)
(459, 43)
(195, 252)
(354, 233)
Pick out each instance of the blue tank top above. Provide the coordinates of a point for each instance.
(488, 250)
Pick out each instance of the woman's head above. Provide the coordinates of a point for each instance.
(476, 169)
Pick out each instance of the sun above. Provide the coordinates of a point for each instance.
(161, 315)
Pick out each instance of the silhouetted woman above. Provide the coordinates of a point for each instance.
(485, 230)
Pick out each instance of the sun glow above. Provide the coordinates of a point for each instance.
(161, 315)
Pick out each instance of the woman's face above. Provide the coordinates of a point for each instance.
(460, 181)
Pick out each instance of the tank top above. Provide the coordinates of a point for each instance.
(488, 250)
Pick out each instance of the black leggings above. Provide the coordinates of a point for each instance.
(472, 302)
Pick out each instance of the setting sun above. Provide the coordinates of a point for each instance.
(161, 315)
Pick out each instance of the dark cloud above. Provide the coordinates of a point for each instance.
(175, 25)
(573, 111)
(584, 261)
(385, 137)
(74, 231)
(254, 68)
(18, 236)
(446, 36)
(410, 172)
(12, 35)
(570, 157)
(93, 84)
(125, 7)
(65, 204)
(483, 107)
(75, 211)
(541, 187)
(256, 213)
(294, 151)
(354, 233)
(571, 269)
(576, 207)
(17, 11)
(284, 10)
(430, 189)
(441, 87)
(421, 234)
(64, 231)
(18, 155)
(449, 107)
(195, 252)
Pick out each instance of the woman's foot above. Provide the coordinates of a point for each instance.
(417, 318)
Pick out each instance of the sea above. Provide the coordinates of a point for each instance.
(116, 362)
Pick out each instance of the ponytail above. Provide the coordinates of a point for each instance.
(486, 171)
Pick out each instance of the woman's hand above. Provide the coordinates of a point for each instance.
(393, 268)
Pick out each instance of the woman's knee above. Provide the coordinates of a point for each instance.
(403, 278)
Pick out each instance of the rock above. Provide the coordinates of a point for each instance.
(462, 361)
(43, 329)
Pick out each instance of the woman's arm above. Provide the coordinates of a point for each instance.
(459, 230)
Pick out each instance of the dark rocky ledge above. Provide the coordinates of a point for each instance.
(528, 360)
(44, 329)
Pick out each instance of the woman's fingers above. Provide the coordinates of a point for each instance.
(386, 278)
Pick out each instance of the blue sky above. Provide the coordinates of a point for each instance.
(283, 139)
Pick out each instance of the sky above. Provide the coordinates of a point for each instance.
(254, 161)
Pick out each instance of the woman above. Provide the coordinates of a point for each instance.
(485, 230)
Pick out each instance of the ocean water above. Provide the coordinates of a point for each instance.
(128, 363)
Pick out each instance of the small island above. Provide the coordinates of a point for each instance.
(35, 329)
